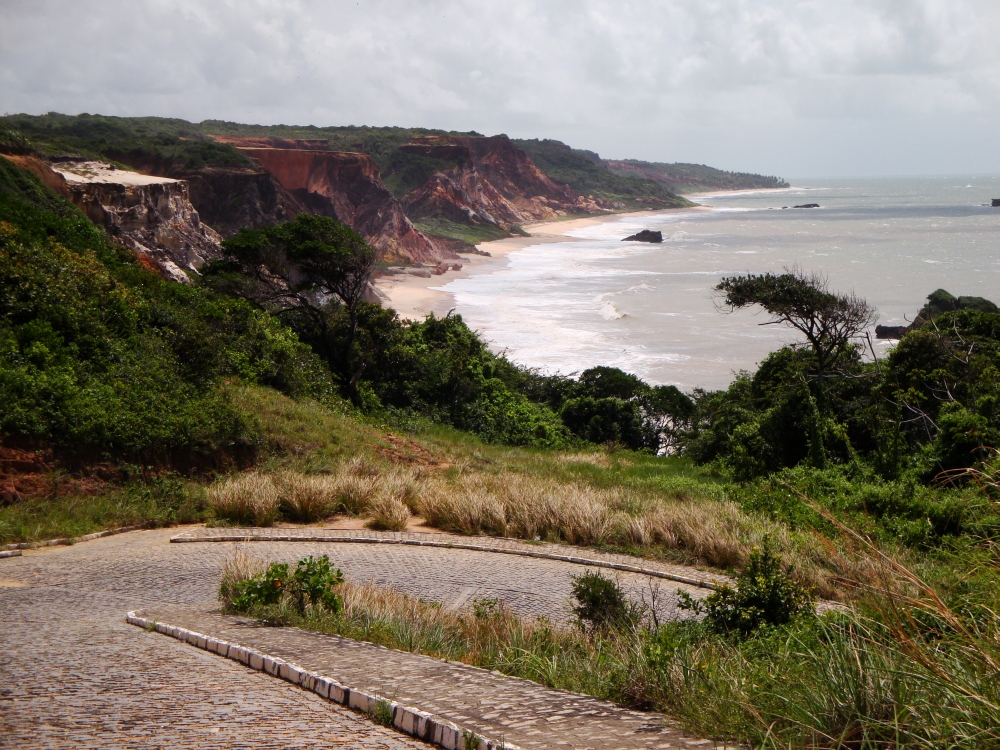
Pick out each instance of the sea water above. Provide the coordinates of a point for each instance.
(650, 308)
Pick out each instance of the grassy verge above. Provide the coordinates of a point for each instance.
(872, 679)
(161, 502)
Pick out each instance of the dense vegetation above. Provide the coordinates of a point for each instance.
(586, 174)
(101, 357)
(157, 145)
(692, 178)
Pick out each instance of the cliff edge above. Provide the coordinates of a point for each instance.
(346, 186)
(152, 216)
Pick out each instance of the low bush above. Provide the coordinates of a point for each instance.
(764, 595)
(601, 603)
(310, 585)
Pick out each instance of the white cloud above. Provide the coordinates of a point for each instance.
(737, 83)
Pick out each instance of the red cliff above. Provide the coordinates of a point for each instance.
(346, 186)
(493, 182)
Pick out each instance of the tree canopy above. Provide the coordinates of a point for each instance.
(804, 302)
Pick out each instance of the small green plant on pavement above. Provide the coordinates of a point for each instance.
(382, 712)
(310, 584)
(764, 595)
(470, 740)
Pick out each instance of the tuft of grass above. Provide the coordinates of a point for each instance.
(388, 514)
(305, 498)
(249, 499)
(239, 566)
(382, 712)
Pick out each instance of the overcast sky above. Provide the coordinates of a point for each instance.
(811, 88)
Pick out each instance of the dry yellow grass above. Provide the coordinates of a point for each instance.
(249, 498)
(240, 565)
(469, 501)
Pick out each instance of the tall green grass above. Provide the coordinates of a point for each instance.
(902, 671)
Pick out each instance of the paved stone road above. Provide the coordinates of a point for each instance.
(73, 674)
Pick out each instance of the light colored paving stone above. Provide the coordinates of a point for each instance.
(494, 706)
(74, 674)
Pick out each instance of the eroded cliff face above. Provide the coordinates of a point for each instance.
(493, 182)
(230, 199)
(346, 186)
(152, 216)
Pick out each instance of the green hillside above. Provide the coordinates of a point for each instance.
(692, 178)
(584, 172)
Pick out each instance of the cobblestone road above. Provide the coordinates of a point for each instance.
(73, 674)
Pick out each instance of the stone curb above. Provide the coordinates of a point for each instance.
(183, 538)
(72, 540)
(10, 553)
(411, 721)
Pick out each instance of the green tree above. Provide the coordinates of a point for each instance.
(303, 270)
(804, 302)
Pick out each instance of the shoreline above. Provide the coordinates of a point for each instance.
(413, 297)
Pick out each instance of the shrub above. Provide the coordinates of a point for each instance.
(764, 595)
(247, 499)
(311, 584)
(601, 603)
(388, 514)
(262, 590)
(314, 580)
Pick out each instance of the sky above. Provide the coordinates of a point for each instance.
(808, 88)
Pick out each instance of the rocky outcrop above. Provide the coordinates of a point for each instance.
(492, 182)
(807, 205)
(230, 199)
(892, 332)
(646, 235)
(152, 216)
(346, 186)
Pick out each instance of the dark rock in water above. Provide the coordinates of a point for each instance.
(646, 235)
(891, 332)
(996, 203)
(807, 205)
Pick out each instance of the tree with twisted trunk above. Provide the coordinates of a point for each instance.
(829, 321)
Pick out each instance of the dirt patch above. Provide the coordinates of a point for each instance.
(28, 474)
(404, 451)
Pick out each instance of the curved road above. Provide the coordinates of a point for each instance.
(73, 674)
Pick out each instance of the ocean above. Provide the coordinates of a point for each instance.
(650, 309)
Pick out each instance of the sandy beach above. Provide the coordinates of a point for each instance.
(414, 297)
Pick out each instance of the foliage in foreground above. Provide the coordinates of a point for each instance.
(310, 585)
(99, 357)
(926, 410)
(905, 671)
